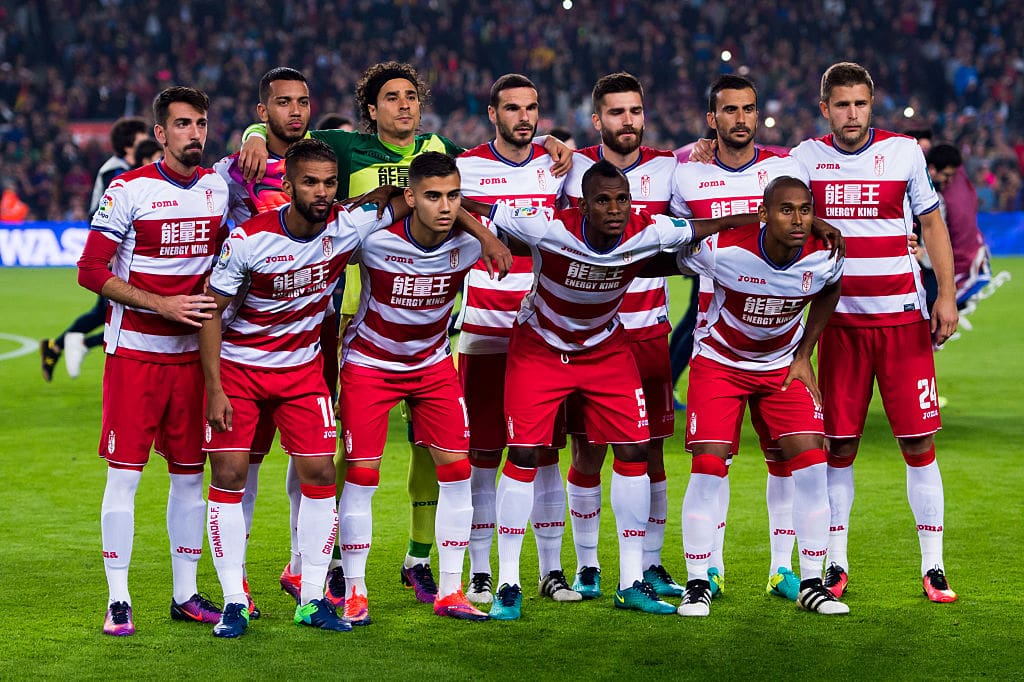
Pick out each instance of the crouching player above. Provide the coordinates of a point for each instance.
(755, 347)
(396, 348)
(568, 339)
(276, 271)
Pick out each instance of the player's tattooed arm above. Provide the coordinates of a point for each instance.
(218, 406)
(830, 236)
(801, 369)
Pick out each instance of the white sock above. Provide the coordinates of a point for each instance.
(355, 532)
(840, 502)
(225, 526)
(811, 516)
(655, 538)
(318, 528)
(548, 517)
(927, 501)
(721, 514)
(700, 509)
(294, 490)
(186, 525)
(117, 528)
(781, 536)
(585, 517)
(252, 485)
(483, 481)
(513, 503)
(451, 530)
(631, 504)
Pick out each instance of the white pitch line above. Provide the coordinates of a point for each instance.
(27, 346)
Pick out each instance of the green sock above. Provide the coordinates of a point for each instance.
(423, 493)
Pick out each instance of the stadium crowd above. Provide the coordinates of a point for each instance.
(958, 65)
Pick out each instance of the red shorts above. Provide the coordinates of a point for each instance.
(483, 383)
(540, 378)
(900, 358)
(146, 404)
(718, 394)
(652, 361)
(439, 418)
(263, 438)
(296, 401)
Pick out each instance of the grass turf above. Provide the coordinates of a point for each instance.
(51, 607)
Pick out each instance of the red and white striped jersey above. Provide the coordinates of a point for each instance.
(166, 231)
(755, 320)
(871, 195)
(408, 292)
(578, 292)
(489, 306)
(282, 284)
(645, 308)
(712, 190)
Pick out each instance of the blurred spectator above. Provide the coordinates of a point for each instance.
(954, 67)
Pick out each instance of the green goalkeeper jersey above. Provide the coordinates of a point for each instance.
(365, 162)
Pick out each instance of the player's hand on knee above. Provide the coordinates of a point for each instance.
(218, 411)
(801, 370)
(190, 310)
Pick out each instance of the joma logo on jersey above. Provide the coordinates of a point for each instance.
(287, 258)
(827, 166)
(711, 183)
(397, 259)
(165, 204)
(493, 181)
(751, 280)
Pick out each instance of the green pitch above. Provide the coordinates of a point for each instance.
(53, 590)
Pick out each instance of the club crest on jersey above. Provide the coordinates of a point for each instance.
(208, 433)
(542, 182)
(879, 164)
(693, 424)
(453, 258)
(805, 285)
(225, 255)
(348, 441)
(111, 442)
(627, 256)
(209, 200)
(645, 186)
(762, 178)
(328, 245)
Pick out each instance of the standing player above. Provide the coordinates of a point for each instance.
(734, 182)
(619, 117)
(73, 343)
(753, 347)
(870, 183)
(157, 226)
(568, 339)
(284, 107)
(277, 271)
(510, 169)
(397, 349)
(389, 96)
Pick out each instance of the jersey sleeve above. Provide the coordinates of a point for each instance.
(115, 213)
(677, 205)
(363, 220)
(920, 190)
(699, 258)
(837, 270)
(232, 266)
(527, 223)
(673, 232)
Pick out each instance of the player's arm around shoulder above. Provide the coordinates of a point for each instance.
(495, 254)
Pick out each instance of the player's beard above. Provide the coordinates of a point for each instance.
(508, 134)
(734, 144)
(611, 139)
(853, 141)
(312, 214)
(285, 135)
(191, 156)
